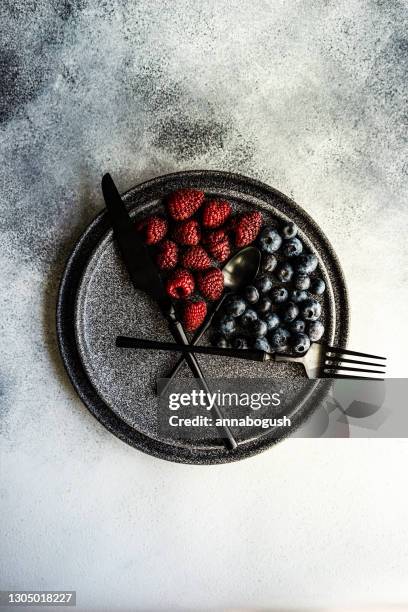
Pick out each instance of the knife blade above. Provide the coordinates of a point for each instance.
(145, 276)
(142, 271)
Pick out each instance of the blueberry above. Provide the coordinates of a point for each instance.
(315, 330)
(318, 286)
(300, 343)
(220, 341)
(261, 344)
(297, 326)
(311, 310)
(272, 320)
(269, 240)
(264, 304)
(285, 272)
(239, 343)
(298, 296)
(251, 294)
(226, 325)
(259, 328)
(290, 312)
(292, 247)
(289, 230)
(279, 295)
(301, 282)
(279, 339)
(263, 283)
(307, 264)
(234, 306)
(248, 317)
(268, 262)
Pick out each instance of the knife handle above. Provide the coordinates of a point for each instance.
(179, 335)
(195, 340)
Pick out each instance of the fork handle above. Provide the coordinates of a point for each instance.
(278, 357)
(142, 343)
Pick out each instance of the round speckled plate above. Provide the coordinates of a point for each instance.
(97, 302)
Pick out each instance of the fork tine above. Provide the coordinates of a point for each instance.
(335, 360)
(339, 367)
(336, 349)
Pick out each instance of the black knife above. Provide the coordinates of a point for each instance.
(145, 276)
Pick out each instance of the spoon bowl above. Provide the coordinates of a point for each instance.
(241, 268)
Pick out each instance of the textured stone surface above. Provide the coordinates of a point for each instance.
(308, 97)
(104, 305)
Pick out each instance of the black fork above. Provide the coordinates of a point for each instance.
(325, 361)
(320, 361)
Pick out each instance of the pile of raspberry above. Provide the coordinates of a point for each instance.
(191, 241)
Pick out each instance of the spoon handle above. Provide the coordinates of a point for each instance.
(194, 341)
(142, 343)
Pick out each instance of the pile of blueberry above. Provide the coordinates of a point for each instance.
(280, 312)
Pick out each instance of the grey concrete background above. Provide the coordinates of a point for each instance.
(307, 96)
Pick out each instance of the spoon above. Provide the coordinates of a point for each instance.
(238, 271)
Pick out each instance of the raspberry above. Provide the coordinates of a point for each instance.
(247, 227)
(194, 314)
(211, 238)
(187, 233)
(220, 250)
(167, 255)
(184, 203)
(153, 228)
(196, 258)
(215, 213)
(211, 283)
(181, 284)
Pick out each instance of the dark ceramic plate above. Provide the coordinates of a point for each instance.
(97, 302)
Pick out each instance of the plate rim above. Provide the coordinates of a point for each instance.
(97, 406)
